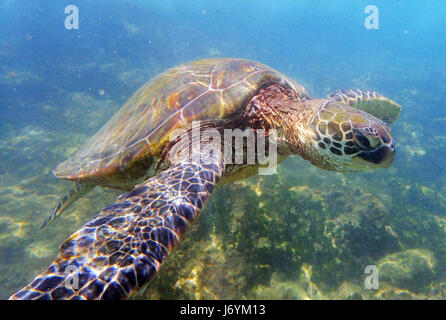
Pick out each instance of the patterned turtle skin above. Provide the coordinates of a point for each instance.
(122, 248)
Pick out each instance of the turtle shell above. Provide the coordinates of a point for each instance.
(209, 89)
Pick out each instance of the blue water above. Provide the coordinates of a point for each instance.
(58, 84)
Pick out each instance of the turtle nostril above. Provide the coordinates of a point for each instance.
(393, 146)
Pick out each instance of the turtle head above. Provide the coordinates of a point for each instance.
(343, 138)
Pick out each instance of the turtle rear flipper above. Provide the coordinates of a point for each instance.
(123, 247)
(368, 101)
(75, 193)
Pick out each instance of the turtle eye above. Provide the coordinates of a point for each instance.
(365, 142)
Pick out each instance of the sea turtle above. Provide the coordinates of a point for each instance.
(150, 143)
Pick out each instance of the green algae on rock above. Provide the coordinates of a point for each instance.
(411, 269)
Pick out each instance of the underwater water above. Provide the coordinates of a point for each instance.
(303, 233)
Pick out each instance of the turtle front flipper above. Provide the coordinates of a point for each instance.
(123, 247)
(368, 101)
(75, 193)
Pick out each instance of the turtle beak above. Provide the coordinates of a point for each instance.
(379, 158)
